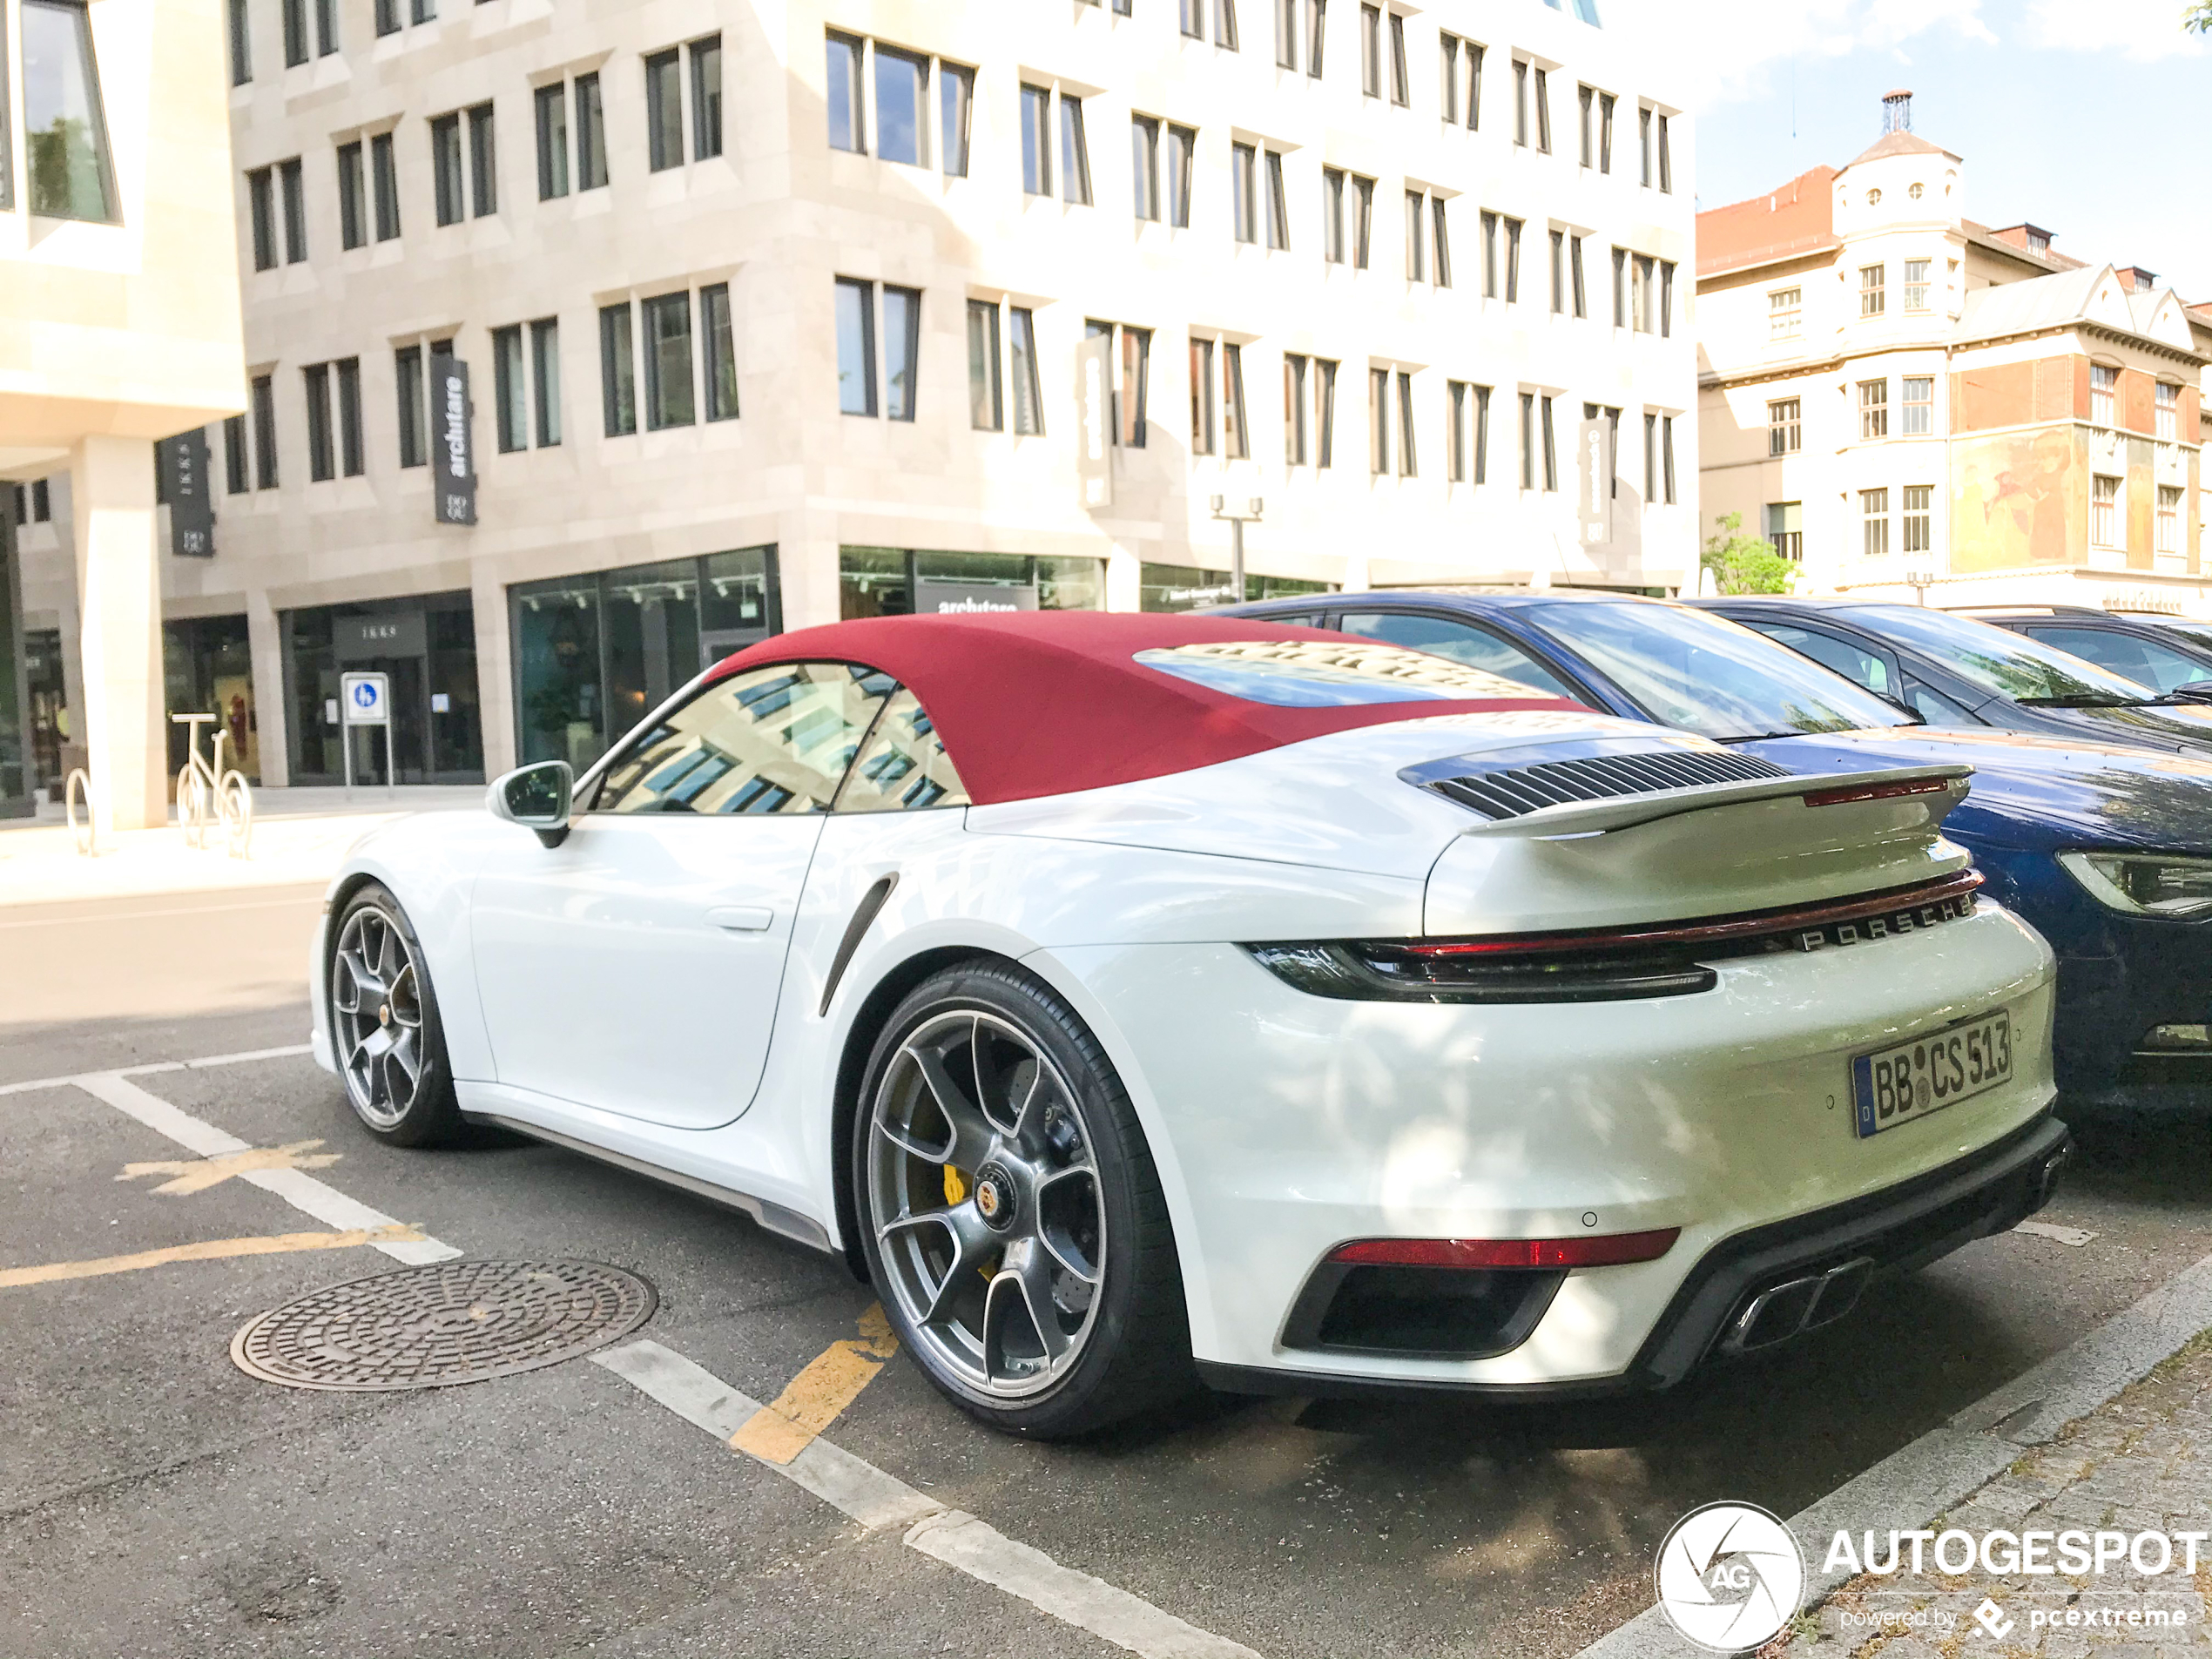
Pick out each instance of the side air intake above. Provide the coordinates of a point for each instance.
(1505, 791)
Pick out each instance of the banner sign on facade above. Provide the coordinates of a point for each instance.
(1095, 420)
(455, 493)
(357, 639)
(933, 597)
(187, 486)
(1594, 481)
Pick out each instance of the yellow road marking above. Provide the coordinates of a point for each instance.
(787, 1426)
(208, 1251)
(197, 1175)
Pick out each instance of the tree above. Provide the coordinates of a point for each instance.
(1742, 564)
(2197, 18)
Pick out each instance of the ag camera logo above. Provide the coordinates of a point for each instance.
(1730, 1577)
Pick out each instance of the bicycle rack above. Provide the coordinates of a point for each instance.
(205, 790)
(86, 834)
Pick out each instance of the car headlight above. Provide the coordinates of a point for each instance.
(2145, 884)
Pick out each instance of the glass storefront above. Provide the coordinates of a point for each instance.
(427, 644)
(594, 654)
(42, 654)
(899, 582)
(1185, 587)
(207, 668)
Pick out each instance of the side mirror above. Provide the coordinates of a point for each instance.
(538, 797)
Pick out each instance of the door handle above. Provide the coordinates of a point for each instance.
(741, 918)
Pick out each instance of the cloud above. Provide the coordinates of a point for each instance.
(1721, 50)
(2144, 30)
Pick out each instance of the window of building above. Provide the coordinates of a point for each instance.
(705, 56)
(619, 367)
(1874, 515)
(1873, 408)
(1294, 409)
(353, 196)
(1785, 528)
(1379, 421)
(1324, 412)
(546, 372)
(2170, 518)
(2104, 511)
(1605, 104)
(1916, 402)
(483, 163)
(1620, 287)
(1492, 269)
(1586, 105)
(2104, 381)
(1224, 24)
(1416, 236)
(1036, 140)
(1192, 16)
(1520, 102)
(1243, 210)
(1439, 243)
(241, 42)
(1642, 299)
(1872, 294)
(1785, 313)
(1448, 64)
(1144, 166)
(1470, 413)
(1202, 396)
(1512, 261)
(663, 110)
(1528, 441)
(295, 33)
(323, 450)
(1575, 274)
(1784, 429)
(1401, 88)
(64, 124)
(902, 106)
(1559, 273)
(1278, 204)
(855, 346)
(1916, 519)
(1286, 34)
(1543, 110)
(1021, 367)
(292, 191)
(1316, 19)
(510, 390)
(668, 393)
(326, 27)
(1182, 148)
(262, 401)
(857, 356)
(1666, 299)
(985, 399)
(590, 134)
(2166, 411)
(1473, 53)
(955, 110)
(1647, 152)
(1235, 432)
(1405, 463)
(448, 180)
(260, 198)
(552, 108)
(1651, 458)
(847, 129)
(1332, 215)
(1545, 404)
(1132, 351)
(409, 382)
(1371, 51)
(384, 175)
(1363, 222)
(1916, 285)
(236, 461)
(1666, 164)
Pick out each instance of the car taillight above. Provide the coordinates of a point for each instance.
(1602, 1249)
(1386, 970)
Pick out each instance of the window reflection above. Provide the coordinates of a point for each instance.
(904, 767)
(1323, 673)
(778, 739)
(63, 127)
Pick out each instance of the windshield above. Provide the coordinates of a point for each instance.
(1705, 674)
(1998, 661)
(1327, 673)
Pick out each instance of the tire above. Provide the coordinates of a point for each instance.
(1036, 1191)
(384, 1028)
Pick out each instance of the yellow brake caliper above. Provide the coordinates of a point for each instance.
(955, 1185)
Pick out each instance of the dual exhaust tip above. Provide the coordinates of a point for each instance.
(1797, 1305)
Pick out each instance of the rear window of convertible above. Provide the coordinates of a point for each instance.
(1327, 673)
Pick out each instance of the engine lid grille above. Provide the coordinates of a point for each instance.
(1497, 787)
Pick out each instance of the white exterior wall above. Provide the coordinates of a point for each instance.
(781, 214)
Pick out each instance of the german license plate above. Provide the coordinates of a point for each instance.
(1913, 1079)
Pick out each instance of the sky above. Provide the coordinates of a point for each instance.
(2086, 117)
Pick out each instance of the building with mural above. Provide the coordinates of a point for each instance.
(1905, 400)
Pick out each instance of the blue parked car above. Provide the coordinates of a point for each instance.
(2108, 851)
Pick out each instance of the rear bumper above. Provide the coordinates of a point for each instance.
(1897, 1230)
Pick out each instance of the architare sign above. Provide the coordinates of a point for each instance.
(455, 495)
(185, 483)
(1095, 420)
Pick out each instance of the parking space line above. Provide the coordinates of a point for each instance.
(297, 1187)
(209, 1250)
(204, 1060)
(951, 1536)
(783, 1428)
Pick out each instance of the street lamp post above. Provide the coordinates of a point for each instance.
(1237, 522)
(1920, 582)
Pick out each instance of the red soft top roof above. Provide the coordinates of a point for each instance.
(1046, 702)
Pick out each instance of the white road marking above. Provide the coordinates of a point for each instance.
(241, 1059)
(952, 1536)
(2075, 1236)
(296, 1187)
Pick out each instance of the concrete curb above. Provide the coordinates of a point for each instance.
(1930, 1476)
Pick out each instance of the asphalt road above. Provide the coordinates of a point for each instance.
(155, 1501)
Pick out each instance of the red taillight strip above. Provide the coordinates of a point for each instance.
(1605, 1249)
(1706, 933)
(1878, 792)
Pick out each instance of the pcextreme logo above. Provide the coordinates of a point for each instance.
(1729, 1577)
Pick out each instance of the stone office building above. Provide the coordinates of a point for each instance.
(773, 315)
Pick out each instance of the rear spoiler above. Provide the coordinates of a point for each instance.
(1625, 811)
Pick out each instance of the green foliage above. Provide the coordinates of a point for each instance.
(1742, 564)
(2196, 19)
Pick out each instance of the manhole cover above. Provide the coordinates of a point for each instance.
(452, 1322)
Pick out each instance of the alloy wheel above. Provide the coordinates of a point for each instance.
(376, 1015)
(985, 1197)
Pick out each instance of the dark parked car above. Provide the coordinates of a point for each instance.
(1957, 671)
(2158, 654)
(2107, 850)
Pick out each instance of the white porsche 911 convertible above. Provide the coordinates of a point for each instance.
(1143, 1000)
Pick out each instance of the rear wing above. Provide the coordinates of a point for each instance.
(1832, 789)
